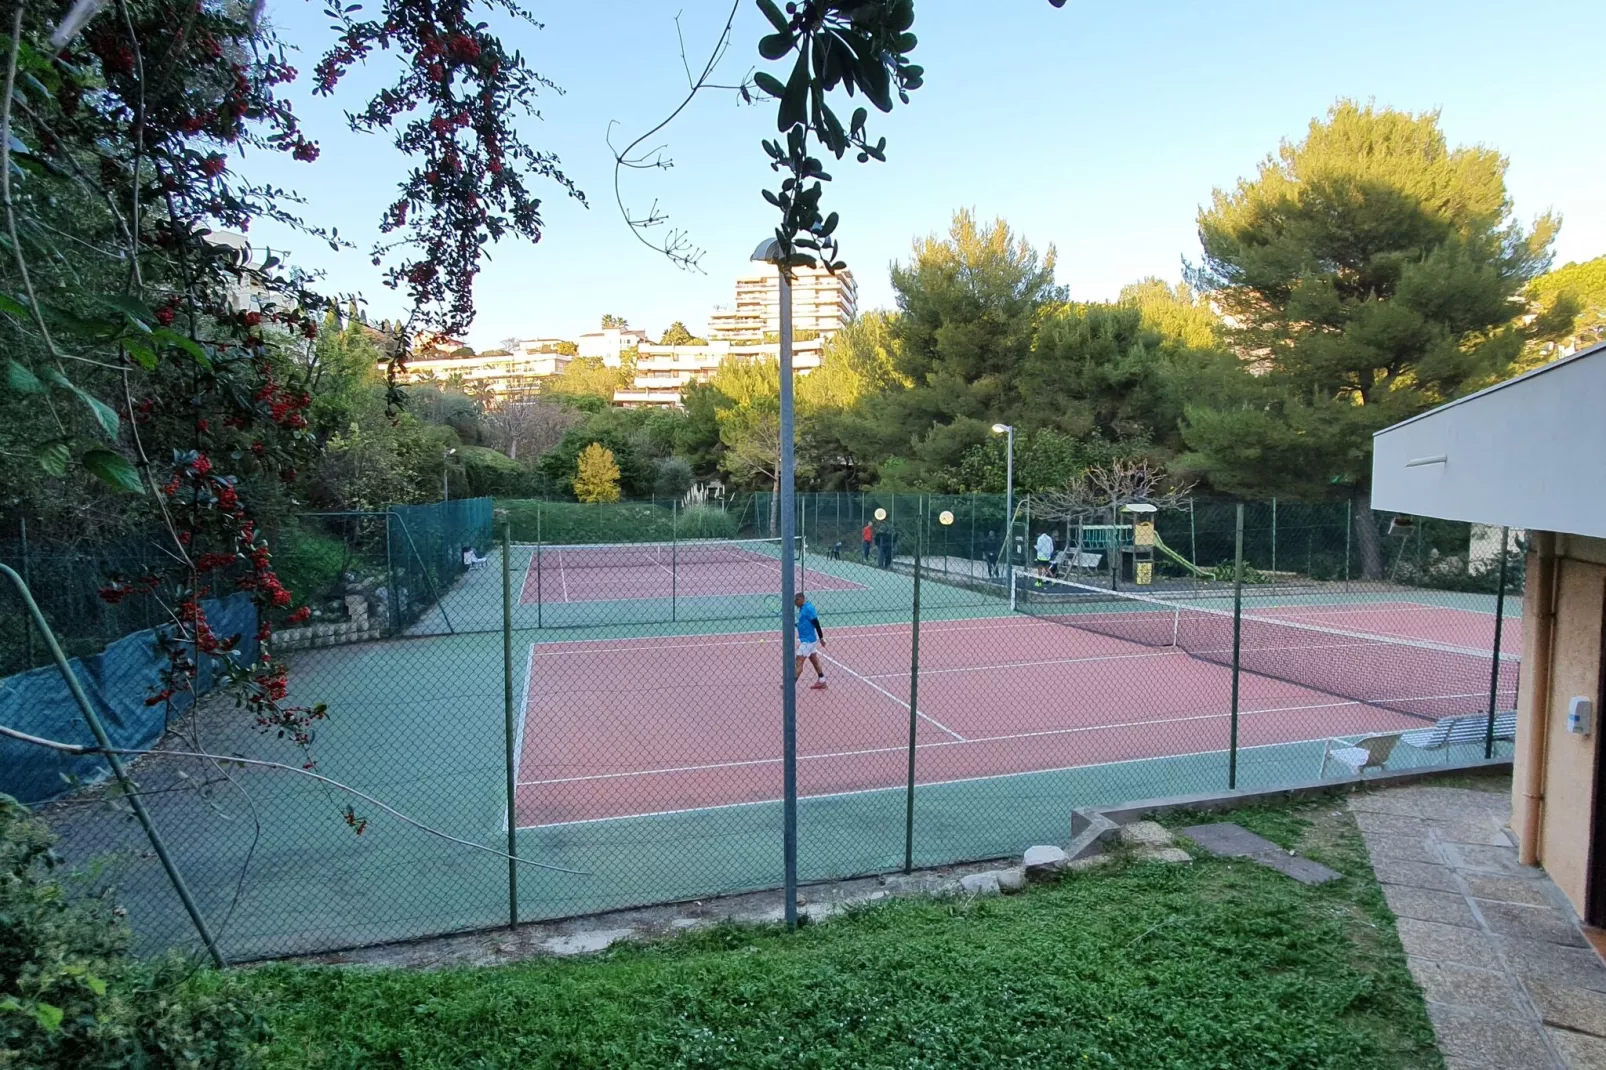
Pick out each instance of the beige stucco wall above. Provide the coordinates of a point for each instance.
(1565, 814)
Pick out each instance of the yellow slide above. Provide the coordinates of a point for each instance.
(1159, 544)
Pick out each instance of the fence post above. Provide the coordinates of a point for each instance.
(1237, 635)
(674, 561)
(1349, 528)
(1274, 543)
(1494, 668)
(390, 572)
(539, 599)
(104, 745)
(27, 578)
(914, 703)
(508, 732)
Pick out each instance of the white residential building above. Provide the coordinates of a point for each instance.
(821, 302)
(663, 372)
(610, 343)
(515, 376)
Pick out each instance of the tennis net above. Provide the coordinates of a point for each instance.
(664, 554)
(1416, 678)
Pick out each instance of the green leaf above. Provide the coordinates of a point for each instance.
(769, 83)
(22, 380)
(140, 353)
(105, 415)
(48, 1016)
(774, 45)
(794, 103)
(95, 984)
(13, 308)
(773, 13)
(54, 458)
(188, 345)
(131, 305)
(114, 470)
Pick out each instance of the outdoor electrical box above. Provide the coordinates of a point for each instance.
(1580, 712)
(1137, 560)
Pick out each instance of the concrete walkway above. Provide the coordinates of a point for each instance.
(1510, 981)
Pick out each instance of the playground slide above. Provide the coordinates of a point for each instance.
(1159, 544)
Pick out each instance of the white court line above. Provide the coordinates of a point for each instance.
(524, 717)
(563, 577)
(1041, 733)
(893, 697)
(926, 783)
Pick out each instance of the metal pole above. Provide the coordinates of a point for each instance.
(1349, 526)
(1274, 542)
(27, 578)
(1009, 516)
(1193, 543)
(674, 560)
(508, 733)
(104, 745)
(1237, 636)
(914, 708)
(1494, 667)
(539, 600)
(390, 572)
(788, 589)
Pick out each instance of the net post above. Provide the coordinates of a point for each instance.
(1237, 638)
(1494, 666)
(674, 561)
(914, 703)
(508, 732)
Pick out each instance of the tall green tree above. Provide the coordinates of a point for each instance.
(1572, 301)
(677, 334)
(1369, 272)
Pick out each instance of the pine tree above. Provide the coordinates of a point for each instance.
(1368, 273)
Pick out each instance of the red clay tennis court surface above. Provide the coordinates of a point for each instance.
(570, 575)
(617, 728)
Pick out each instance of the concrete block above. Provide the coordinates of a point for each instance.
(1043, 862)
(981, 884)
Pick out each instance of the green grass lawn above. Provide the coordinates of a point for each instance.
(1215, 964)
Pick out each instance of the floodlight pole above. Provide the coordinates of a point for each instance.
(770, 252)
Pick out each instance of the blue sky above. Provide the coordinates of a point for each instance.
(1099, 129)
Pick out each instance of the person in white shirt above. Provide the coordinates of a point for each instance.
(1045, 556)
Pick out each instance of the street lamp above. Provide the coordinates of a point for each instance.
(1009, 507)
(446, 460)
(769, 252)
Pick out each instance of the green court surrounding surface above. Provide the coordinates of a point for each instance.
(419, 722)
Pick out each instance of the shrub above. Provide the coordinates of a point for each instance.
(72, 997)
(309, 562)
(493, 474)
(672, 479)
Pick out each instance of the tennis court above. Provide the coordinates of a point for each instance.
(669, 724)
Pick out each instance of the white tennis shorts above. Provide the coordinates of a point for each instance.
(805, 649)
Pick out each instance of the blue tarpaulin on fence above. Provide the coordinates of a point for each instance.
(118, 681)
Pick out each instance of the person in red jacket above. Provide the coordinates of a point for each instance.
(869, 539)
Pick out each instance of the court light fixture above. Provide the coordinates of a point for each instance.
(1000, 429)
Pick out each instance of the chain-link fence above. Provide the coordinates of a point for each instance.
(594, 689)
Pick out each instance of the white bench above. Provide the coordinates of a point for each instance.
(1373, 751)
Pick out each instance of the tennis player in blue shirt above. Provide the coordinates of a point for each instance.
(810, 638)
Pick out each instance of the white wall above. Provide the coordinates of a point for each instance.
(1528, 453)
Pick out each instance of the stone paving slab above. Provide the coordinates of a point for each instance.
(1235, 841)
(1425, 904)
(1509, 980)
